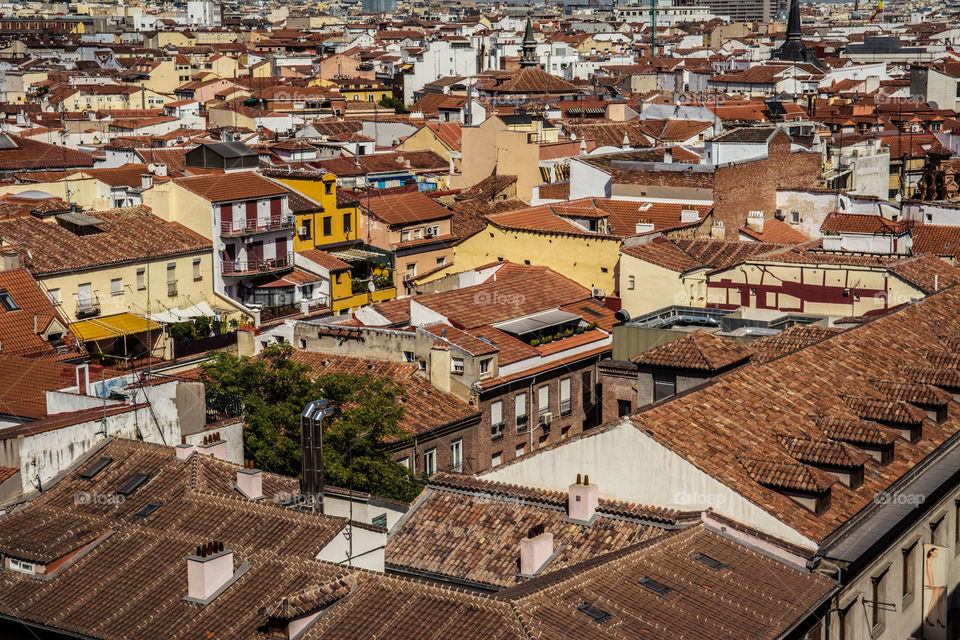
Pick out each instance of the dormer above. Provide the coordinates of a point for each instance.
(801, 483)
(923, 396)
(875, 439)
(837, 458)
(896, 414)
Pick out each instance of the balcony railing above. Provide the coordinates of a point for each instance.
(244, 226)
(252, 267)
(87, 305)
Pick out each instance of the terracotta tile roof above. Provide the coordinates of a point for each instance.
(822, 452)
(608, 134)
(461, 339)
(856, 223)
(700, 351)
(927, 272)
(397, 312)
(125, 235)
(787, 475)
(470, 530)
(720, 254)
(510, 349)
(714, 426)
(325, 260)
(91, 596)
(404, 208)
(27, 154)
(21, 329)
(448, 132)
(670, 130)
(6, 473)
(663, 253)
(939, 240)
(25, 381)
(529, 81)
(228, 187)
(425, 408)
(777, 231)
(789, 340)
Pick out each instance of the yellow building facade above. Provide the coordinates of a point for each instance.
(332, 226)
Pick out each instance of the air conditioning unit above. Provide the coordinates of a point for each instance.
(546, 419)
(428, 233)
(599, 293)
(301, 231)
(248, 241)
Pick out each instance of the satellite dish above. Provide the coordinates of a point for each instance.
(3, 115)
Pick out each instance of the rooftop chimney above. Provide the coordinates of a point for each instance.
(213, 445)
(535, 551)
(689, 215)
(208, 570)
(146, 180)
(644, 227)
(583, 500)
(160, 169)
(250, 483)
(717, 231)
(440, 366)
(184, 451)
(755, 221)
(11, 260)
(668, 155)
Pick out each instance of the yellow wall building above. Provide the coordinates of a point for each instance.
(334, 225)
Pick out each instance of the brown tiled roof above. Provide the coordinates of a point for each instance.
(927, 273)
(405, 208)
(777, 231)
(20, 329)
(663, 253)
(856, 223)
(244, 185)
(720, 254)
(470, 530)
(30, 155)
(25, 381)
(789, 340)
(6, 473)
(92, 594)
(424, 407)
(530, 81)
(609, 134)
(939, 240)
(729, 419)
(700, 350)
(787, 475)
(822, 452)
(325, 260)
(461, 339)
(125, 235)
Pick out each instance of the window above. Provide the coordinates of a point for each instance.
(196, 270)
(417, 233)
(441, 261)
(347, 222)
(327, 226)
(496, 418)
(54, 295)
(405, 463)
(409, 356)
(22, 566)
(565, 407)
(495, 459)
(936, 531)
(520, 407)
(877, 596)
(116, 286)
(631, 282)
(141, 279)
(456, 365)
(586, 390)
(664, 385)
(412, 270)
(485, 365)
(430, 462)
(521, 449)
(795, 217)
(305, 229)
(456, 456)
(171, 279)
(405, 235)
(7, 301)
(543, 399)
(909, 562)
(848, 621)
(624, 408)
(379, 521)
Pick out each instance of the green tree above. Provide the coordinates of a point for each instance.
(270, 392)
(393, 103)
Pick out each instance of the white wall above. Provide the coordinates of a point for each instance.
(368, 548)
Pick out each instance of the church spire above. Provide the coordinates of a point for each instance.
(529, 56)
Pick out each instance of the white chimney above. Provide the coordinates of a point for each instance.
(11, 260)
(534, 553)
(184, 451)
(160, 170)
(668, 155)
(583, 500)
(208, 570)
(250, 483)
(644, 227)
(146, 180)
(755, 221)
(213, 446)
(689, 215)
(718, 231)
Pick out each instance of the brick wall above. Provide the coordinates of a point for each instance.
(617, 383)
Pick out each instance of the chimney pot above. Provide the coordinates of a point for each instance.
(579, 479)
(582, 501)
(208, 570)
(214, 446)
(250, 482)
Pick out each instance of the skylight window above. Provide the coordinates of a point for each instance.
(146, 510)
(713, 563)
(96, 467)
(132, 484)
(598, 615)
(653, 585)
(7, 301)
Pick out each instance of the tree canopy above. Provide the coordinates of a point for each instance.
(270, 392)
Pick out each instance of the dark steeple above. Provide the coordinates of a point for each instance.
(793, 49)
(529, 56)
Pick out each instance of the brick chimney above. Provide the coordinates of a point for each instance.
(184, 451)
(535, 551)
(755, 221)
(583, 500)
(250, 483)
(209, 569)
(718, 231)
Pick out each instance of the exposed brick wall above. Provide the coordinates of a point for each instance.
(617, 384)
(412, 452)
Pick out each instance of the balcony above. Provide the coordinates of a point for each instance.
(247, 227)
(246, 268)
(87, 306)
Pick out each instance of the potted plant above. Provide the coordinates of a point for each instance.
(534, 343)
(591, 326)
